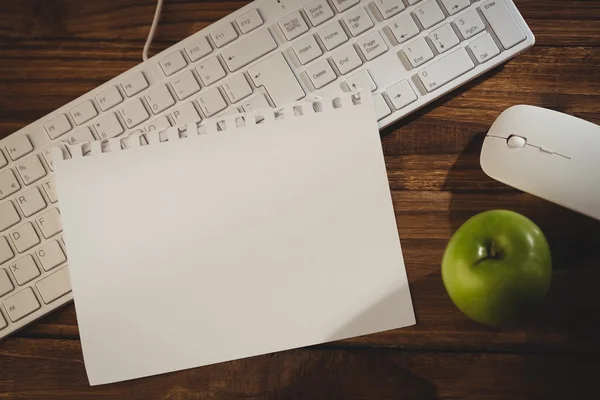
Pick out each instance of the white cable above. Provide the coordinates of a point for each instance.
(152, 30)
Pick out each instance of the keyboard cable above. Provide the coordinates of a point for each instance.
(152, 30)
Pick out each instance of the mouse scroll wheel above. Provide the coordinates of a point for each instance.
(516, 142)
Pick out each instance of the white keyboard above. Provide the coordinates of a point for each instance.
(268, 53)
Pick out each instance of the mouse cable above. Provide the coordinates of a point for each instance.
(152, 30)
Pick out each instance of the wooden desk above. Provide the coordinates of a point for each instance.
(53, 51)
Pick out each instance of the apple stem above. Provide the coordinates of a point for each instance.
(493, 250)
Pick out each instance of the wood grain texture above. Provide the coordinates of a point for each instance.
(54, 51)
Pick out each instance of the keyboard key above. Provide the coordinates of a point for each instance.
(279, 81)
(403, 27)
(484, 48)
(109, 98)
(361, 80)
(454, 6)
(6, 285)
(418, 52)
(237, 88)
(50, 190)
(307, 49)
(358, 21)
(8, 215)
(3, 160)
(172, 63)
(211, 102)
(389, 8)
(134, 83)
(249, 21)
(444, 38)
(318, 11)
(429, 14)
(185, 85)
(346, 59)
(321, 74)
(469, 24)
(24, 270)
(79, 136)
(382, 110)
(251, 48)
(6, 252)
(198, 48)
(49, 223)
(134, 113)
(24, 237)
(108, 126)
(31, 201)
(401, 94)
(58, 126)
(83, 112)
(159, 99)
(223, 34)
(293, 25)
(159, 124)
(21, 304)
(445, 69)
(372, 45)
(332, 35)
(8, 183)
(503, 23)
(255, 102)
(343, 5)
(185, 113)
(211, 71)
(19, 147)
(412, 2)
(55, 285)
(51, 255)
(31, 169)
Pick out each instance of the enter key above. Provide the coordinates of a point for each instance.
(279, 81)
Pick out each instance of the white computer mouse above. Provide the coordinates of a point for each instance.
(549, 154)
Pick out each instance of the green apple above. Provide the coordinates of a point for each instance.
(497, 267)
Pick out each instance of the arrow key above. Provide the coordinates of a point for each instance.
(361, 80)
(401, 94)
(444, 38)
(403, 27)
(454, 6)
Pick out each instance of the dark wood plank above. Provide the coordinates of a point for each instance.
(52, 369)
(552, 21)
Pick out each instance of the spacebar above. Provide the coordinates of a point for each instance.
(445, 69)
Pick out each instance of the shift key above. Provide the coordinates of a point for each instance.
(251, 48)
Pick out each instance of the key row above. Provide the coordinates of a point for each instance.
(25, 302)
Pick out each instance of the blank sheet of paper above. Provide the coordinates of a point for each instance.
(231, 244)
